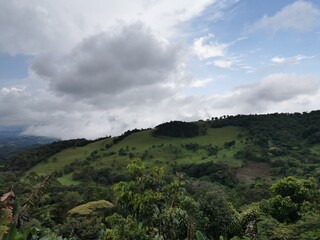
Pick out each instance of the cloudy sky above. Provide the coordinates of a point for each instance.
(89, 69)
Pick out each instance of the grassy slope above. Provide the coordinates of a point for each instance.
(67, 180)
(164, 151)
(67, 156)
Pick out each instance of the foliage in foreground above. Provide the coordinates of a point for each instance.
(152, 207)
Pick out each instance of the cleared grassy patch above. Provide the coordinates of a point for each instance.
(166, 150)
(60, 160)
(67, 180)
(91, 208)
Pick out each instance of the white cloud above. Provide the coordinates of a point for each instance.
(108, 64)
(294, 60)
(232, 63)
(45, 113)
(301, 16)
(278, 87)
(201, 82)
(279, 92)
(32, 27)
(204, 48)
(219, 10)
(247, 68)
(217, 53)
(226, 64)
(12, 90)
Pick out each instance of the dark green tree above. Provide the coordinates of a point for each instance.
(151, 207)
(288, 196)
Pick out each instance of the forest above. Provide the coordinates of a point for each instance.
(237, 177)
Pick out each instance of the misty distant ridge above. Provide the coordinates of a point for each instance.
(16, 138)
(12, 142)
(10, 133)
(18, 133)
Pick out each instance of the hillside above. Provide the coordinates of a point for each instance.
(165, 151)
(260, 168)
(255, 138)
(282, 141)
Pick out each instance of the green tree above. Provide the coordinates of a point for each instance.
(218, 214)
(299, 190)
(149, 206)
(288, 196)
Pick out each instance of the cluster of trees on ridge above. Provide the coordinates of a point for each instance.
(177, 129)
(283, 129)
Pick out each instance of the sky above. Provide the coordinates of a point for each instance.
(77, 68)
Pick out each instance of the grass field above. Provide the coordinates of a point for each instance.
(153, 151)
(67, 156)
(67, 180)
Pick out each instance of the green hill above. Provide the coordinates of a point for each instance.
(284, 143)
(166, 151)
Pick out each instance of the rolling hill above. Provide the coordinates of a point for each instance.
(165, 151)
(284, 143)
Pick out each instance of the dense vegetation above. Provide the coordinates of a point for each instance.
(285, 131)
(239, 177)
(177, 129)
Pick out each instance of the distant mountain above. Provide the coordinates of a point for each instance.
(10, 133)
(13, 142)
